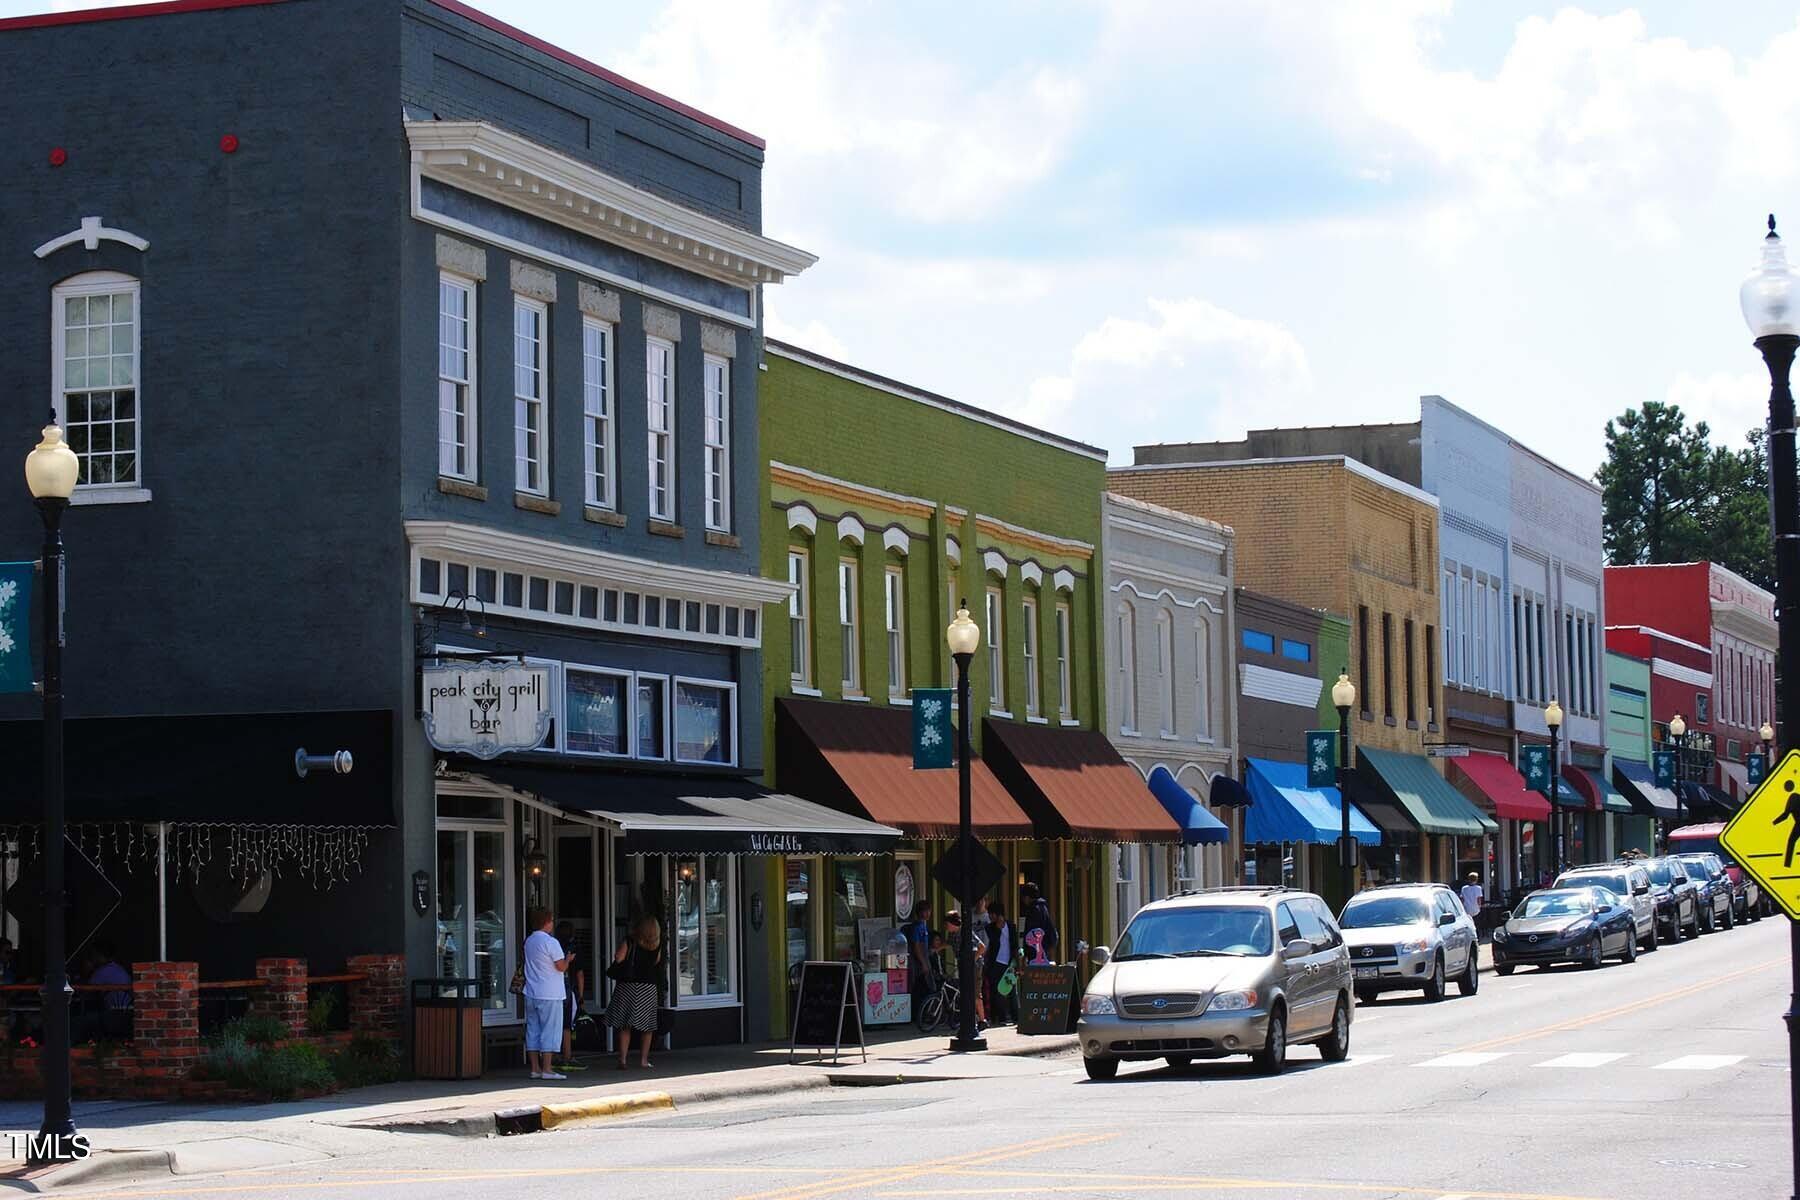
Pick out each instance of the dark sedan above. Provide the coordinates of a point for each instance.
(1677, 899)
(1586, 925)
(1718, 903)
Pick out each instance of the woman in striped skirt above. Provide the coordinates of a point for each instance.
(637, 972)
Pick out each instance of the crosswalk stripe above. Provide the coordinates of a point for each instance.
(1467, 1058)
(1700, 1062)
(1357, 1057)
(1582, 1060)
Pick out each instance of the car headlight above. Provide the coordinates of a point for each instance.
(1094, 1004)
(1499, 933)
(1232, 1001)
(1413, 945)
(1579, 928)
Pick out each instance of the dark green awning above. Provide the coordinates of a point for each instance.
(1426, 798)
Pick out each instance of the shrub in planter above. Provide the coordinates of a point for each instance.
(256, 1029)
(366, 1061)
(320, 1011)
(278, 1073)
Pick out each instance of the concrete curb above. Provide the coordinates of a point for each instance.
(107, 1165)
(552, 1116)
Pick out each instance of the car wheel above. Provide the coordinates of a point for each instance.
(1594, 959)
(1502, 969)
(1655, 938)
(1694, 927)
(1434, 986)
(1101, 1068)
(1731, 915)
(1470, 979)
(1630, 954)
(1365, 995)
(1675, 930)
(1273, 1056)
(1179, 1061)
(1336, 1046)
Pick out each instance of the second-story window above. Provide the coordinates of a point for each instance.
(1032, 706)
(1065, 698)
(95, 323)
(1127, 641)
(996, 651)
(1165, 670)
(849, 636)
(597, 412)
(659, 400)
(1202, 680)
(895, 584)
(718, 443)
(799, 621)
(456, 377)
(531, 382)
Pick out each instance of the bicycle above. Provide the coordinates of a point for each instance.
(938, 1009)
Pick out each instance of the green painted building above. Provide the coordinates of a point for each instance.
(885, 507)
(1628, 737)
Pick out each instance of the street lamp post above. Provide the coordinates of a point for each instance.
(1767, 733)
(964, 637)
(1767, 298)
(1553, 717)
(1343, 694)
(1679, 731)
(51, 472)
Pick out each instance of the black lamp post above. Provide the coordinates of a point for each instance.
(1343, 694)
(1678, 730)
(964, 637)
(1553, 717)
(1767, 733)
(51, 472)
(1767, 298)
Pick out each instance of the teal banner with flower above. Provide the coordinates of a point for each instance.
(15, 626)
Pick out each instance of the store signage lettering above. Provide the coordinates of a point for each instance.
(777, 843)
(486, 709)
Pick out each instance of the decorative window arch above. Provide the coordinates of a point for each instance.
(1165, 669)
(95, 358)
(1203, 676)
(1126, 622)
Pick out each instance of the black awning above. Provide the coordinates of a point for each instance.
(690, 814)
(235, 769)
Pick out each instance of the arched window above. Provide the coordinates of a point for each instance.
(1165, 670)
(1127, 643)
(1202, 679)
(95, 322)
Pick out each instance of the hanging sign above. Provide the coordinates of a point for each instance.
(1756, 766)
(1536, 768)
(15, 626)
(1321, 758)
(933, 734)
(1665, 768)
(486, 709)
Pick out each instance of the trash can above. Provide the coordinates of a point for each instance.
(446, 1028)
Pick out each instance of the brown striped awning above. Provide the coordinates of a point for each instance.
(1074, 784)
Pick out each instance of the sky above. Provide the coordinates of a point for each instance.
(1153, 220)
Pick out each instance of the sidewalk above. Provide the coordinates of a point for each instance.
(142, 1140)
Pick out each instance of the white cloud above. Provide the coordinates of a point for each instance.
(1731, 404)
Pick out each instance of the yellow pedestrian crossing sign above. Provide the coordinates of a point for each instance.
(1764, 837)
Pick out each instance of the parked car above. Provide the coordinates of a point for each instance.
(1677, 900)
(1718, 904)
(1631, 883)
(1245, 970)
(1752, 905)
(1584, 924)
(1410, 936)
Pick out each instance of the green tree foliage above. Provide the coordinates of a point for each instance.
(1669, 495)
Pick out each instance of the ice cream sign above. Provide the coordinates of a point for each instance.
(485, 709)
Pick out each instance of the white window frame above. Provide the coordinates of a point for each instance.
(1126, 877)
(717, 377)
(1202, 681)
(525, 406)
(600, 465)
(995, 612)
(668, 716)
(729, 891)
(800, 671)
(1165, 668)
(659, 423)
(894, 601)
(730, 720)
(849, 627)
(1126, 621)
(469, 385)
(562, 723)
(1065, 698)
(1034, 705)
(503, 1014)
(101, 283)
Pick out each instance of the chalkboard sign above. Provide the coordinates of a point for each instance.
(1046, 999)
(825, 1008)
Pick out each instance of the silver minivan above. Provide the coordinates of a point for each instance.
(1237, 970)
(1631, 883)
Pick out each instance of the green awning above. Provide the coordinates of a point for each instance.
(1426, 798)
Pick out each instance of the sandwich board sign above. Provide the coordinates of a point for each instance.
(825, 998)
(1764, 837)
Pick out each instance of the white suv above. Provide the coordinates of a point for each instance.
(1631, 883)
(1410, 936)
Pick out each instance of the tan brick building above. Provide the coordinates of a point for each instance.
(1328, 532)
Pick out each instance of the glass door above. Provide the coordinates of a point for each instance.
(476, 927)
(577, 900)
(801, 907)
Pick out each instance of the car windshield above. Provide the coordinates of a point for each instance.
(1660, 872)
(1604, 895)
(1617, 883)
(1557, 904)
(1697, 868)
(1195, 932)
(1367, 912)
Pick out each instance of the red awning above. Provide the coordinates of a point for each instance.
(857, 758)
(1075, 785)
(1504, 787)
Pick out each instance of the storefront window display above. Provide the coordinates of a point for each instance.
(704, 927)
(851, 902)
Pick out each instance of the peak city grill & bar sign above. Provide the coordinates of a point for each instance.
(486, 709)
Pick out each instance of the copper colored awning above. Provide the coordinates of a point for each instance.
(1075, 785)
(857, 758)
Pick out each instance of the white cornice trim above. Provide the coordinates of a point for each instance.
(1751, 627)
(1161, 594)
(1681, 674)
(1133, 568)
(994, 561)
(800, 516)
(452, 537)
(521, 174)
(1030, 572)
(1063, 580)
(849, 529)
(1349, 464)
(1169, 514)
(1282, 687)
(834, 481)
(1654, 632)
(1167, 535)
(90, 235)
(897, 539)
(1061, 543)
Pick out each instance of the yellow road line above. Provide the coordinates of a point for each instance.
(1620, 1011)
(882, 1177)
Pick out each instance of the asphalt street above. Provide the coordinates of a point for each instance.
(1665, 1078)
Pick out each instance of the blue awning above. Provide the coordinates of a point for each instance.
(1198, 827)
(1286, 810)
(1229, 793)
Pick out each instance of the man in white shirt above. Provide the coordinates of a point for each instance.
(1472, 894)
(545, 963)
